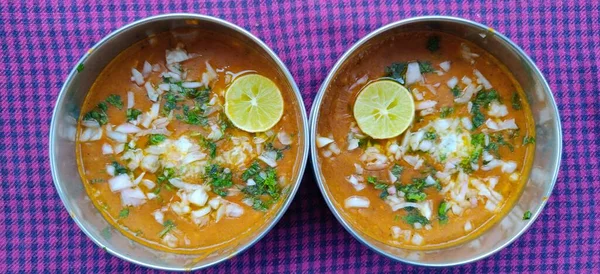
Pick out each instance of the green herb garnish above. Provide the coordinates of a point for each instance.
(430, 135)
(397, 170)
(527, 215)
(443, 212)
(279, 151)
(425, 67)
(397, 71)
(218, 179)
(516, 101)
(414, 217)
(380, 185)
(455, 91)
(210, 146)
(193, 116)
(119, 169)
(115, 100)
(528, 140)
(124, 213)
(446, 111)
(168, 226)
(132, 114)
(265, 185)
(80, 67)
(155, 139)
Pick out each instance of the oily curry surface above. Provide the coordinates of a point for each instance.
(159, 157)
(457, 169)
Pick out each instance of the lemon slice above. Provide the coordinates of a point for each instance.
(253, 103)
(384, 109)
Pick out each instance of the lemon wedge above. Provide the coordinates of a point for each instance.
(253, 103)
(384, 109)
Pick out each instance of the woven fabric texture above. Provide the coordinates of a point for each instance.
(41, 41)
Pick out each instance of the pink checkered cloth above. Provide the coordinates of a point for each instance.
(41, 41)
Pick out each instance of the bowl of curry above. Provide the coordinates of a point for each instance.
(178, 141)
(435, 141)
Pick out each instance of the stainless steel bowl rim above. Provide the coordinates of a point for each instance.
(318, 100)
(186, 16)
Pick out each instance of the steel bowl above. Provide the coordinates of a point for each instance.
(63, 130)
(547, 151)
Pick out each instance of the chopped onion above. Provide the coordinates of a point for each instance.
(482, 80)
(466, 123)
(359, 82)
(110, 169)
(502, 125)
(127, 128)
(163, 131)
(509, 167)
(148, 183)
(490, 206)
(107, 149)
(156, 68)
(284, 138)
(356, 202)
(497, 110)
(191, 84)
(178, 183)
(117, 136)
(452, 82)
(152, 93)
(417, 94)
(417, 239)
(334, 148)
(468, 226)
(429, 181)
(192, 157)
(176, 55)
(466, 95)
(431, 89)
(154, 109)
(425, 105)
(200, 212)
(214, 203)
(353, 144)
(158, 216)
(147, 69)
(220, 213)
(267, 159)
(417, 225)
(198, 197)
(210, 72)
(90, 123)
(359, 169)
(137, 77)
(150, 163)
(130, 99)
(120, 182)
(233, 210)
(413, 73)
(445, 65)
(90, 134)
(323, 141)
(466, 80)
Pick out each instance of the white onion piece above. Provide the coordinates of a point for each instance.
(359, 169)
(417, 94)
(429, 181)
(445, 65)
(335, 149)
(132, 197)
(110, 169)
(431, 89)
(413, 73)
(220, 213)
(233, 210)
(214, 203)
(490, 206)
(284, 138)
(417, 239)
(210, 72)
(156, 68)
(90, 123)
(130, 99)
(127, 128)
(466, 123)
(502, 125)
(147, 69)
(268, 159)
(137, 77)
(120, 182)
(139, 178)
(178, 183)
(250, 182)
(359, 82)
(86, 134)
(198, 197)
(353, 144)
(191, 84)
(152, 93)
(356, 202)
(107, 149)
(497, 110)
(176, 55)
(164, 87)
(158, 216)
(323, 141)
(117, 136)
(425, 105)
(466, 80)
(509, 167)
(482, 80)
(452, 82)
(193, 157)
(163, 131)
(154, 109)
(150, 163)
(200, 212)
(466, 95)
(148, 183)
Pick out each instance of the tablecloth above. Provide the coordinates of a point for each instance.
(41, 41)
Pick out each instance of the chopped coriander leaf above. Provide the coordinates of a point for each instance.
(132, 114)
(224, 122)
(413, 192)
(433, 43)
(446, 111)
(115, 100)
(218, 179)
(499, 138)
(516, 101)
(425, 67)
(478, 139)
(193, 116)
(170, 102)
(163, 179)
(119, 169)
(363, 143)
(269, 147)
(379, 185)
(485, 97)
(210, 146)
(252, 171)
(397, 170)
(258, 204)
(415, 217)
(443, 212)
(396, 218)
(478, 117)
(98, 114)
(527, 215)
(124, 213)
(415, 197)
(528, 140)
(396, 71)
(80, 67)
(155, 139)
(430, 135)
(514, 133)
(456, 91)
(168, 226)
(265, 184)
